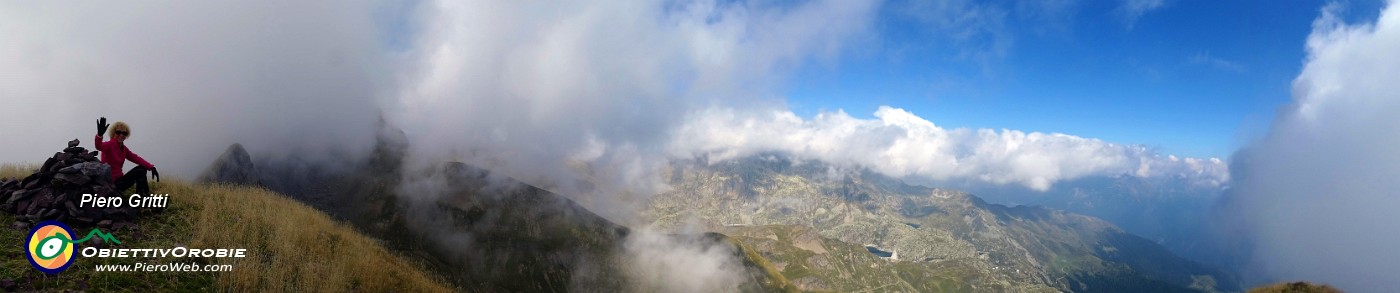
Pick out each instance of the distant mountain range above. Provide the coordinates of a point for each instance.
(1172, 212)
(931, 230)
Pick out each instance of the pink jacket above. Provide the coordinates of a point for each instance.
(115, 154)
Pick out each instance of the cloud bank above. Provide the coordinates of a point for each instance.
(900, 144)
(1318, 193)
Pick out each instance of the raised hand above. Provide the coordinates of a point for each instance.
(101, 126)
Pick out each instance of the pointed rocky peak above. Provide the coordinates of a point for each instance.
(234, 166)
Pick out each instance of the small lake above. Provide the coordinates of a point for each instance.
(878, 252)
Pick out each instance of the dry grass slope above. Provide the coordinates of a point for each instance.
(17, 170)
(1295, 287)
(291, 248)
(779, 282)
(297, 248)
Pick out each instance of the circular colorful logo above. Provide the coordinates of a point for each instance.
(50, 247)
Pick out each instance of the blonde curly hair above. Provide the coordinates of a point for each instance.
(119, 126)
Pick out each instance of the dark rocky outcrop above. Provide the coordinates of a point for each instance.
(55, 191)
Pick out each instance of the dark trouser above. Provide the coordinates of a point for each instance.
(137, 177)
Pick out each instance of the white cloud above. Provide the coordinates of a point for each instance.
(1132, 10)
(1318, 193)
(900, 144)
(979, 31)
(1206, 59)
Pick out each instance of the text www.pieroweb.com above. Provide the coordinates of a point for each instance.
(165, 267)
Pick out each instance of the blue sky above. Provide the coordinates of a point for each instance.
(1194, 78)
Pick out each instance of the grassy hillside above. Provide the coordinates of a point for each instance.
(291, 247)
